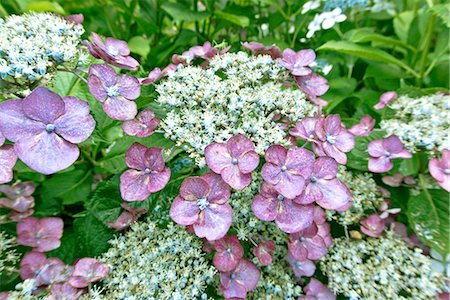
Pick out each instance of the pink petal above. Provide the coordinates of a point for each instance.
(116, 46)
(385, 99)
(393, 144)
(325, 167)
(8, 159)
(135, 156)
(120, 108)
(248, 162)
(336, 195)
(53, 227)
(290, 186)
(217, 157)
(376, 148)
(106, 74)
(2, 139)
(214, 221)
(312, 84)
(264, 208)
(219, 190)
(364, 127)
(134, 185)
(144, 125)
(300, 161)
(31, 264)
(158, 180)
(184, 212)
(129, 87)
(271, 173)
(276, 154)
(301, 268)
(292, 217)
(239, 145)
(154, 75)
(229, 253)
(194, 188)
(264, 252)
(96, 88)
(345, 141)
(311, 194)
(43, 105)
(334, 152)
(247, 273)
(233, 176)
(380, 165)
(14, 124)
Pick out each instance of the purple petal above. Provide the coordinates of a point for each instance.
(46, 153)
(217, 157)
(43, 105)
(238, 145)
(271, 173)
(126, 63)
(292, 217)
(2, 139)
(220, 191)
(299, 161)
(8, 159)
(135, 156)
(385, 99)
(311, 194)
(325, 167)
(194, 188)
(184, 212)
(248, 162)
(134, 185)
(96, 88)
(376, 148)
(345, 141)
(31, 264)
(301, 268)
(276, 154)
(76, 124)
(119, 108)
(233, 176)
(335, 195)
(332, 151)
(144, 125)
(380, 165)
(290, 185)
(312, 84)
(154, 159)
(248, 274)
(116, 47)
(129, 87)
(158, 180)
(214, 221)
(393, 144)
(264, 208)
(14, 124)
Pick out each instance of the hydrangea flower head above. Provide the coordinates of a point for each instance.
(142, 126)
(87, 270)
(41, 234)
(440, 169)
(298, 62)
(382, 151)
(18, 196)
(116, 92)
(301, 267)
(148, 173)
(261, 49)
(307, 244)
(286, 169)
(271, 205)
(364, 127)
(46, 128)
(112, 51)
(203, 203)
(228, 253)
(372, 226)
(316, 290)
(8, 159)
(385, 99)
(264, 252)
(234, 161)
(238, 282)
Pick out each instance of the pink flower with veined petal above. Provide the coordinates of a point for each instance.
(260, 49)
(206, 52)
(114, 52)
(18, 196)
(45, 128)
(394, 180)
(31, 264)
(307, 244)
(240, 281)
(203, 203)
(301, 267)
(234, 160)
(64, 291)
(44, 270)
(440, 169)
(382, 151)
(264, 252)
(270, 205)
(148, 174)
(372, 226)
(364, 127)
(41, 234)
(385, 99)
(154, 75)
(324, 188)
(76, 18)
(127, 217)
(229, 253)
(313, 85)
(142, 126)
(17, 216)
(305, 129)
(286, 170)
(115, 91)
(297, 62)
(336, 140)
(8, 159)
(316, 290)
(87, 270)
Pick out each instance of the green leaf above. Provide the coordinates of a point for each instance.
(410, 167)
(428, 216)
(71, 187)
(69, 250)
(358, 158)
(340, 89)
(92, 235)
(139, 45)
(179, 12)
(362, 36)
(106, 200)
(242, 21)
(402, 23)
(365, 52)
(443, 12)
(44, 6)
(387, 77)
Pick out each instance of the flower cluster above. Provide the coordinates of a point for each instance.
(34, 44)
(236, 93)
(382, 267)
(149, 262)
(9, 258)
(420, 123)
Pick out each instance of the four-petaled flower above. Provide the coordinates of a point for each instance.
(261, 49)
(45, 128)
(228, 253)
(234, 160)
(298, 62)
(117, 92)
(316, 290)
(18, 196)
(238, 282)
(372, 226)
(203, 203)
(142, 126)
(305, 129)
(127, 217)
(112, 51)
(148, 174)
(364, 127)
(440, 169)
(87, 270)
(41, 234)
(382, 151)
(301, 267)
(385, 99)
(307, 244)
(264, 252)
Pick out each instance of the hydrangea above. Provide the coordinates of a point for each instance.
(365, 195)
(380, 268)
(382, 151)
(205, 108)
(9, 257)
(440, 169)
(175, 266)
(33, 45)
(420, 123)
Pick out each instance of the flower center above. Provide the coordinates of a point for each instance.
(234, 161)
(280, 197)
(50, 128)
(311, 136)
(147, 171)
(229, 250)
(302, 239)
(331, 139)
(143, 126)
(387, 153)
(283, 168)
(113, 52)
(313, 179)
(112, 91)
(233, 276)
(202, 203)
(447, 171)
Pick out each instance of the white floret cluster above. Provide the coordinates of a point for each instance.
(149, 262)
(366, 198)
(33, 44)
(421, 123)
(9, 257)
(236, 93)
(380, 268)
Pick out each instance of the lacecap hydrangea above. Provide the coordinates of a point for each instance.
(236, 93)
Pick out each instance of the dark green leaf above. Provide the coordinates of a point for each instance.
(92, 235)
(242, 21)
(358, 158)
(179, 12)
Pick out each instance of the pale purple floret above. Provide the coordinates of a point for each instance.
(316, 290)
(41, 234)
(86, 271)
(127, 217)
(154, 75)
(228, 253)
(264, 252)
(286, 170)
(373, 226)
(382, 151)
(18, 196)
(206, 51)
(76, 18)
(385, 99)
(8, 159)
(298, 62)
(240, 281)
(148, 173)
(301, 267)
(324, 188)
(307, 244)
(305, 129)
(313, 85)
(45, 128)
(335, 139)
(393, 180)
(364, 127)
(261, 49)
(64, 291)
(112, 51)
(45, 271)
(270, 205)
(440, 169)
(203, 203)
(142, 126)
(234, 160)
(116, 92)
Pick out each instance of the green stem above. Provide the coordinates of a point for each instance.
(426, 49)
